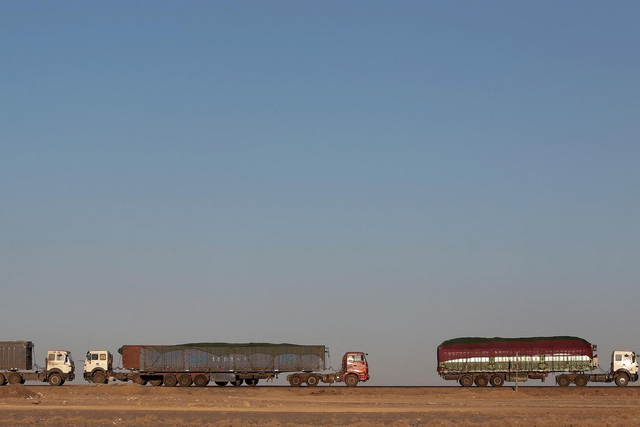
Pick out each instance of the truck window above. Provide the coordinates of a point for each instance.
(103, 357)
(52, 357)
(94, 356)
(60, 357)
(618, 358)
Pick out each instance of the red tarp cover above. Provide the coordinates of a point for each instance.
(491, 347)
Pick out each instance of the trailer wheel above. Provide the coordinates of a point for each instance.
(139, 380)
(351, 380)
(482, 381)
(237, 382)
(497, 381)
(312, 381)
(170, 380)
(184, 380)
(563, 381)
(201, 381)
(295, 380)
(622, 380)
(466, 381)
(156, 382)
(55, 379)
(221, 383)
(581, 380)
(3, 380)
(14, 378)
(99, 377)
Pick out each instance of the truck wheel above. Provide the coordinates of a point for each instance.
(170, 381)
(482, 381)
(251, 381)
(185, 380)
(563, 381)
(312, 381)
(55, 379)
(99, 377)
(466, 381)
(581, 380)
(497, 381)
(237, 382)
(139, 380)
(221, 383)
(295, 381)
(351, 380)
(622, 380)
(14, 378)
(201, 381)
(3, 380)
(156, 382)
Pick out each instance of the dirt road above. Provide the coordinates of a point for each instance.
(134, 405)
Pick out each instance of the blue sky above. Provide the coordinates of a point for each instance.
(375, 176)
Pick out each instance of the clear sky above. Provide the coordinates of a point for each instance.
(369, 175)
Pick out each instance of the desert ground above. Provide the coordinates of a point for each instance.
(135, 405)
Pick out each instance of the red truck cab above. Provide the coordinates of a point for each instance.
(355, 368)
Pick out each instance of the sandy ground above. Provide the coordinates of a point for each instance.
(135, 405)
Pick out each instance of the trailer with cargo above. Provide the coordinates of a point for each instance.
(16, 364)
(224, 363)
(483, 361)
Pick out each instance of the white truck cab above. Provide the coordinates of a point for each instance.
(60, 360)
(97, 366)
(624, 360)
(59, 367)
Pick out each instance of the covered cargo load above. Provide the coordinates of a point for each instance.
(541, 354)
(16, 355)
(223, 357)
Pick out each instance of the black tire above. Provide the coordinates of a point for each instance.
(295, 380)
(581, 380)
(221, 383)
(99, 377)
(55, 379)
(3, 380)
(482, 381)
(351, 380)
(14, 378)
(251, 382)
(497, 381)
(170, 380)
(185, 380)
(622, 380)
(466, 381)
(156, 382)
(563, 381)
(237, 382)
(201, 381)
(312, 381)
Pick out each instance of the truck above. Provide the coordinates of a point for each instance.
(224, 363)
(16, 364)
(483, 361)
